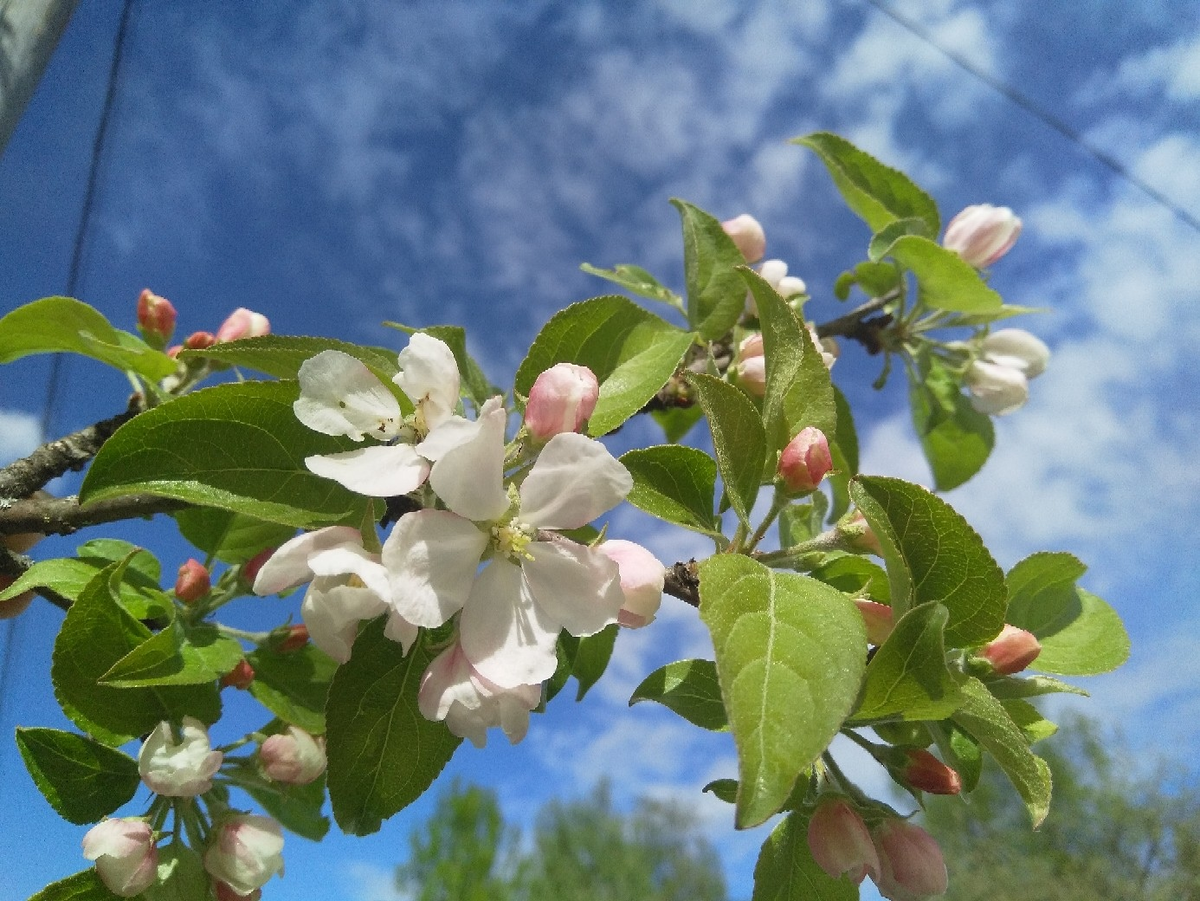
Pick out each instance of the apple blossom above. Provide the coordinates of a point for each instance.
(805, 461)
(293, 757)
(1012, 650)
(642, 579)
(244, 852)
(243, 323)
(561, 400)
(1016, 349)
(125, 854)
(996, 389)
(180, 769)
(748, 235)
(840, 842)
(982, 233)
(199, 340)
(911, 866)
(155, 317)
(193, 582)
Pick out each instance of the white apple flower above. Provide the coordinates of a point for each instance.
(125, 854)
(180, 769)
(244, 852)
(999, 379)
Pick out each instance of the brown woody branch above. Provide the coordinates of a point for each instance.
(683, 582)
(65, 515)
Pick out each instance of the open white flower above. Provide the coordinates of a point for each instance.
(534, 584)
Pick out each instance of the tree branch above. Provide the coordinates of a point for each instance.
(683, 582)
(857, 327)
(64, 515)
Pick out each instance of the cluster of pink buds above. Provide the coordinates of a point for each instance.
(156, 318)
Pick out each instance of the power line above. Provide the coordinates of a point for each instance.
(1037, 111)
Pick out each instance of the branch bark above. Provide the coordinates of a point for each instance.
(65, 515)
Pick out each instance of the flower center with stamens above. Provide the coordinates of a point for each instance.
(512, 539)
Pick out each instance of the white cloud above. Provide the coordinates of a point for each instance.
(20, 434)
(1172, 71)
(369, 881)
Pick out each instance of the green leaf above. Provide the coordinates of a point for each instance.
(632, 352)
(947, 281)
(677, 421)
(802, 520)
(786, 871)
(874, 279)
(1080, 634)
(477, 386)
(854, 575)
(293, 685)
(181, 876)
(932, 554)
(674, 483)
(955, 437)
(383, 754)
(987, 317)
(1032, 724)
(96, 633)
(178, 655)
(1007, 687)
(878, 194)
(907, 678)
(137, 560)
(84, 886)
(738, 440)
(960, 752)
(688, 687)
(989, 723)
(245, 453)
(638, 281)
(281, 356)
(725, 789)
(716, 295)
(296, 807)
(882, 240)
(66, 325)
(844, 451)
(227, 536)
(790, 656)
(82, 779)
(591, 658)
(70, 576)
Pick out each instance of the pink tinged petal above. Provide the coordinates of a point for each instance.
(401, 631)
(505, 635)
(378, 471)
(429, 376)
(332, 613)
(339, 395)
(288, 566)
(431, 557)
(574, 480)
(469, 477)
(447, 681)
(353, 561)
(577, 587)
(642, 579)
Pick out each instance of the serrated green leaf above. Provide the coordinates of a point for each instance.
(177, 655)
(227, 536)
(946, 280)
(907, 677)
(383, 754)
(854, 575)
(69, 576)
(786, 870)
(989, 723)
(296, 807)
(961, 753)
(181, 876)
(632, 352)
(882, 240)
(674, 483)
(66, 325)
(955, 437)
(281, 356)
(293, 685)
(739, 441)
(932, 554)
(725, 789)
(245, 453)
(974, 320)
(114, 550)
(801, 521)
(84, 886)
(1032, 724)
(878, 194)
(1006, 687)
(638, 281)
(716, 295)
(96, 633)
(82, 779)
(689, 688)
(790, 655)
(591, 658)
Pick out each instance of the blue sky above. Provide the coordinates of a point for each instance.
(334, 165)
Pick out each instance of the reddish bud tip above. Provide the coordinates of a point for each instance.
(193, 582)
(239, 677)
(251, 567)
(199, 340)
(155, 317)
(805, 461)
(878, 618)
(925, 772)
(911, 866)
(840, 842)
(296, 638)
(1012, 650)
(856, 534)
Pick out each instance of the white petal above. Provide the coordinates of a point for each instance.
(447, 680)
(431, 557)
(505, 635)
(401, 631)
(469, 477)
(332, 613)
(377, 471)
(573, 481)
(352, 560)
(288, 566)
(429, 376)
(339, 395)
(577, 587)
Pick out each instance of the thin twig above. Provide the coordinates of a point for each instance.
(683, 582)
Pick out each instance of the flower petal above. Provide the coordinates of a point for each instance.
(431, 557)
(507, 638)
(576, 586)
(339, 395)
(429, 376)
(469, 477)
(288, 566)
(377, 471)
(350, 560)
(573, 481)
(332, 611)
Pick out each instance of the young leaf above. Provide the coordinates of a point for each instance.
(716, 295)
(281, 356)
(882, 240)
(955, 437)
(688, 687)
(632, 352)
(854, 575)
(296, 807)
(932, 554)
(383, 753)
(878, 194)
(790, 656)
(947, 281)
(245, 453)
(66, 325)
(738, 440)
(638, 281)
(786, 871)
(68, 576)
(84, 886)
(229, 537)
(293, 685)
(674, 483)
(177, 655)
(181, 875)
(82, 779)
(960, 752)
(591, 658)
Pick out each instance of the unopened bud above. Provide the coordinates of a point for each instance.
(193, 582)
(805, 461)
(748, 235)
(1016, 349)
(296, 638)
(982, 233)
(857, 535)
(996, 389)
(239, 677)
(911, 865)
(251, 567)
(293, 757)
(155, 318)
(1012, 650)
(243, 323)
(924, 772)
(840, 843)
(878, 618)
(642, 580)
(125, 854)
(561, 400)
(751, 367)
(199, 340)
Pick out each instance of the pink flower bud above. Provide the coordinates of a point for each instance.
(296, 638)
(178, 770)
(293, 757)
(982, 233)
(239, 677)
(748, 235)
(243, 323)
(878, 618)
(857, 535)
(245, 851)
(805, 461)
(1016, 349)
(995, 389)
(199, 340)
(561, 400)
(1012, 650)
(155, 318)
(642, 579)
(840, 843)
(911, 866)
(751, 367)
(193, 582)
(251, 567)
(125, 855)
(925, 772)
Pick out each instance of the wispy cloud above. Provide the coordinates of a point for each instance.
(19, 434)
